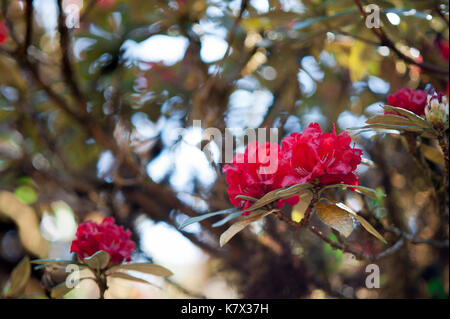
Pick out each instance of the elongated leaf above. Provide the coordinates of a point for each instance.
(53, 262)
(293, 190)
(239, 226)
(417, 120)
(99, 260)
(364, 223)
(19, 278)
(335, 217)
(265, 200)
(298, 211)
(433, 154)
(196, 219)
(227, 219)
(146, 268)
(389, 119)
(253, 199)
(310, 21)
(407, 128)
(370, 229)
(368, 162)
(360, 189)
(127, 276)
(279, 194)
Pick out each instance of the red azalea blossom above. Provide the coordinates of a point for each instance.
(105, 3)
(444, 48)
(409, 99)
(313, 156)
(4, 31)
(107, 236)
(255, 173)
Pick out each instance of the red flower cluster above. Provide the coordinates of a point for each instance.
(107, 236)
(311, 156)
(4, 31)
(322, 158)
(409, 99)
(254, 174)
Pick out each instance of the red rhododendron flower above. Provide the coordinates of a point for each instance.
(105, 3)
(255, 173)
(107, 236)
(444, 48)
(409, 99)
(316, 157)
(4, 31)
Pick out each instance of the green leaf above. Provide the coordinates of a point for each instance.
(53, 262)
(417, 120)
(253, 199)
(335, 217)
(99, 260)
(19, 278)
(309, 22)
(26, 194)
(227, 219)
(408, 128)
(370, 192)
(279, 194)
(196, 219)
(147, 268)
(389, 119)
(293, 190)
(239, 226)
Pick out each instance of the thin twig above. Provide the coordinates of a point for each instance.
(184, 290)
(418, 240)
(68, 73)
(358, 254)
(386, 41)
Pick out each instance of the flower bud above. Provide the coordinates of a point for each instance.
(436, 110)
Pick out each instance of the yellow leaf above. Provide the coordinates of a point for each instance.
(19, 278)
(335, 217)
(364, 223)
(433, 154)
(358, 61)
(298, 210)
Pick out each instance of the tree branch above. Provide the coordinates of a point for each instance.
(386, 41)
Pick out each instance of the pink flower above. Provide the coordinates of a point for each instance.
(107, 236)
(316, 157)
(409, 99)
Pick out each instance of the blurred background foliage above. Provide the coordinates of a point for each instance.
(88, 115)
